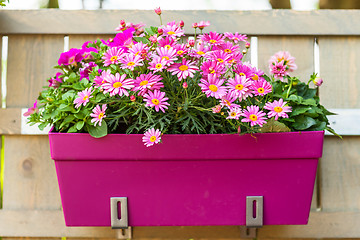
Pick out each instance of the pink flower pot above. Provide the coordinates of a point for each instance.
(187, 180)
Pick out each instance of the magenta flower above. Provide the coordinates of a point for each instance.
(277, 109)
(318, 81)
(130, 61)
(234, 113)
(261, 87)
(236, 37)
(32, 110)
(55, 82)
(98, 114)
(112, 56)
(157, 11)
(122, 39)
(100, 80)
(86, 51)
(151, 137)
(146, 82)
(86, 69)
(213, 87)
(212, 67)
(213, 38)
(117, 85)
(239, 87)
(253, 115)
(157, 100)
(184, 69)
(71, 57)
(83, 97)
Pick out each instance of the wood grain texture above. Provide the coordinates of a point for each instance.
(30, 62)
(30, 177)
(340, 68)
(340, 174)
(10, 121)
(274, 22)
(302, 48)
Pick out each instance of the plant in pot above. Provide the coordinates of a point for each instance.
(184, 128)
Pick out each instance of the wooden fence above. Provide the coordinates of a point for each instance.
(31, 203)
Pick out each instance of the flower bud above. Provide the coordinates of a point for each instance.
(318, 81)
(244, 51)
(194, 25)
(247, 44)
(160, 31)
(185, 85)
(122, 23)
(181, 23)
(153, 39)
(216, 109)
(191, 42)
(132, 98)
(157, 11)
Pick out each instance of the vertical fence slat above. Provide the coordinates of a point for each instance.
(339, 67)
(302, 48)
(30, 62)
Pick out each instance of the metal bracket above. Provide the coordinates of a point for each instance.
(123, 233)
(254, 211)
(246, 232)
(119, 222)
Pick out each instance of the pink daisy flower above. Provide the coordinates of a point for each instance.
(202, 24)
(200, 51)
(184, 69)
(100, 80)
(253, 115)
(261, 87)
(146, 82)
(234, 113)
(98, 114)
(277, 109)
(112, 56)
(235, 58)
(168, 54)
(213, 87)
(229, 48)
(279, 70)
(157, 64)
(180, 49)
(151, 137)
(157, 100)
(140, 49)
(220, 56)
(239, 87)
(257, 74)
(83, 97)
(167, 42)
(236, 37)
(243, 70)
(212, 67)
(228, 101)
(289, 61)
(130, 61)
(117, 84)
(213, 38)
(173, 31)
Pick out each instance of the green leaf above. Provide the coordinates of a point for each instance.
(98, 131)
(79, 125)
(303, 122)
(149, 31)
(142, 39)
(274, 126)
(299, 110)
(72, 130)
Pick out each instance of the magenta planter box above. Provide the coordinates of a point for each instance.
(187, 180)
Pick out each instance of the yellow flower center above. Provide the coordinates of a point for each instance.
(117, 84)
(242, 74)
(255, 77)
(261, 90)
(278, 109)
(253, 117)
(152, 139)
(220, 60)
(158, 66)
(130, 63)
(233, 114)
(212, 41)
(200, 52)
(180, 52)
(170, 32)
(183, 68)
(144, 83)
(155, 101)
(113, 58)
(227, 50)
(101, 115)
(212, 70)
(227, 102)
(167, 47)
(165, 57)
(239, 87)
(137, 53)
(213, 88)
(85, 98)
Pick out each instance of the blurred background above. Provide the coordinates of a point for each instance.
(185, 4)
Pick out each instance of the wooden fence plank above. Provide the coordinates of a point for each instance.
(76, 41)
(30, 62)
(340, 68)
(275, 22)
(30, 178)
(302, 48)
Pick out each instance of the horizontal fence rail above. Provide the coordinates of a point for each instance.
(325, 41)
